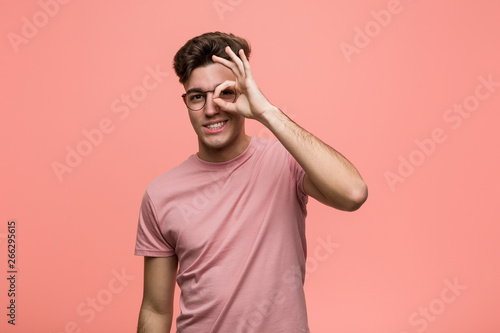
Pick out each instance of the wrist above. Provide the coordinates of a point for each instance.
(269, 116)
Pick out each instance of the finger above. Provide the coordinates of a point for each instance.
(225, 106)
(244, 59)
(235, 59)
(246, 64)
(224, 85)
(227, 63)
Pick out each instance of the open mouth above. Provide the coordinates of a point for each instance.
(215, 128)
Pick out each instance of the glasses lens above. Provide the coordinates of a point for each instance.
(195, 100)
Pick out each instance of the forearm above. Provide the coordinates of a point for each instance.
(332, 174)
(330, 177)
(151, 321)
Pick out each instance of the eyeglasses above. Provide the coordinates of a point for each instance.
(195, 100)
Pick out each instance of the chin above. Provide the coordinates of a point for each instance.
(216, 143)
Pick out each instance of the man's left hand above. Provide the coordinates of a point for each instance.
(250, 102)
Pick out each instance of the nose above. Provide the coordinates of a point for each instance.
(210, 108)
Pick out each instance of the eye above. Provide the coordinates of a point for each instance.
(227, 92)
(229, 95)
(196, 97)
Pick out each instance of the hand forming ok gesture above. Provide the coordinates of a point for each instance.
(250, 102)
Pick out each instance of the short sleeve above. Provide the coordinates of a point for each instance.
(298, 175)
(150, 241)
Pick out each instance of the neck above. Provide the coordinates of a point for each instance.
(226, 153)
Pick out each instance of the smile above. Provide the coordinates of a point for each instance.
(216, 127)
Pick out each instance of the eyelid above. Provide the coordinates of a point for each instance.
(193, 90)
(194, 93)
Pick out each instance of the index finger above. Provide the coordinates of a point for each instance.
(224, 85)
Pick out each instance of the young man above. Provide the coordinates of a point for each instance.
(232, 216)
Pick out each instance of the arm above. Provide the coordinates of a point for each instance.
(157, 302)
(330, 178)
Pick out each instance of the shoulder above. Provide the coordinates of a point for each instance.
(272, 149)
(172, 178)
(268, 144)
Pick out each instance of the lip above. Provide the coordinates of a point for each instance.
(217, 130)
(214, 122)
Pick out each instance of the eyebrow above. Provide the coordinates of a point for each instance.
(196, 89)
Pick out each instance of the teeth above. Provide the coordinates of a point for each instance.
(216, 125)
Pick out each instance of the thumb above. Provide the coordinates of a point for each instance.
(225, 106)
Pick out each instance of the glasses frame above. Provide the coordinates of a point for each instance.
(204, 93)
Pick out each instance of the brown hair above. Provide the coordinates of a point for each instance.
(198, 51)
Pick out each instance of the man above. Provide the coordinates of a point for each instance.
(232, 216)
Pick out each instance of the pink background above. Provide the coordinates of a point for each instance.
(434, 225)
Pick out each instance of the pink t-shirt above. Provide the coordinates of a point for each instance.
(238, 230)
